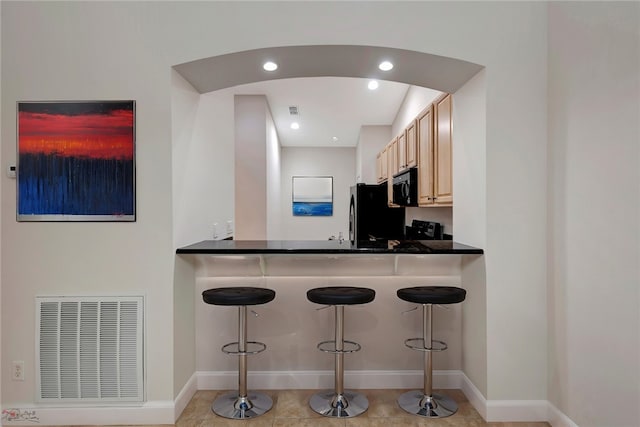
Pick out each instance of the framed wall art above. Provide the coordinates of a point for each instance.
(312, 195)
(76, 161)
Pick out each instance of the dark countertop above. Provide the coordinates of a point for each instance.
(230, 247)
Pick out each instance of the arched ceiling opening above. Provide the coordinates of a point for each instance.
(411, 67)
(326, 83)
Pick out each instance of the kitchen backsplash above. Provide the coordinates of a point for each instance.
(442, 215)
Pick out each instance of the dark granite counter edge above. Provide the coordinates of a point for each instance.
(318, 248)
(320, 252)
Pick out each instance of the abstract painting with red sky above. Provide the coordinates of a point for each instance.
(76, 161)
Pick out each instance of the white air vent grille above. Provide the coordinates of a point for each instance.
(293, 110)
(89, 349)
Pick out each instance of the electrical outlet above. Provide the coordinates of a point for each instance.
(17, 370)
(215, 230)
(229, 228)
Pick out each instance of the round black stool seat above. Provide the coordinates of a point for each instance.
(240, 295)
(432, 294)
(341, 295)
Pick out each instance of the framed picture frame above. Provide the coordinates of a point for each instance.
(312, 195)
(76, 161)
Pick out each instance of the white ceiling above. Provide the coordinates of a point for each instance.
(328, 107)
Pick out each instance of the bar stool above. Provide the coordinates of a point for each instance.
(240, 405)
(424, 402)
(338, 402)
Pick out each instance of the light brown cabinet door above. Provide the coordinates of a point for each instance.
(381, 166)
(392, 168)
(384, 165)
(392, 157)
(401, 152)
(425, 157)
(411, 150)
(442, 155)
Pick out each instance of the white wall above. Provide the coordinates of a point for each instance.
(250, 121)
(201, 147)
(274, 181)
(469, 217)
(516, 203)
(415, 100)
(469, 154)
(203, 196)
(340, 163)
(258, 203)
(89, 258)
(134, 63)
(1, 163)
(594, 134)
(371, 141)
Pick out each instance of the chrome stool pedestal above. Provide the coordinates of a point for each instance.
(339, 403)
(424, 402)
(241, 405)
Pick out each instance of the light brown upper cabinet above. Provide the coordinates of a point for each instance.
(402, 152)
(411, 148)
(382, 166)
(426, 143)
(425, 157)
(392, 158)
(442, 153)
(392, 168)
(407, 148)
(435, 183)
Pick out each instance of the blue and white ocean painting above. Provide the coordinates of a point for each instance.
(312, 209)
(312, 196)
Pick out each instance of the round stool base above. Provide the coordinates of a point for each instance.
(438, 406)
(330, 404)
(230, 405)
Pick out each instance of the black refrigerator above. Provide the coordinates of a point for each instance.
(369, 216)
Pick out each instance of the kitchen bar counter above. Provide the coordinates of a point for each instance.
(292, 325)
(231, 247)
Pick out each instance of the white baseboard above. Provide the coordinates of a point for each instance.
(475, 397)
(156, 412)
(184, 397)
(167, 412)
(559, 419)
(513, 410)
(297, 380)
(517, 410)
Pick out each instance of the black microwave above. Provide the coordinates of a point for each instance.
(405, 188)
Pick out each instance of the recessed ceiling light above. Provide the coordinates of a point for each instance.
(373, 85)
(334, 138)
(270, 66)
(385, 66)
(295, 125)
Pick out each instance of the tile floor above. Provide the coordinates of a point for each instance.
(291, 408)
